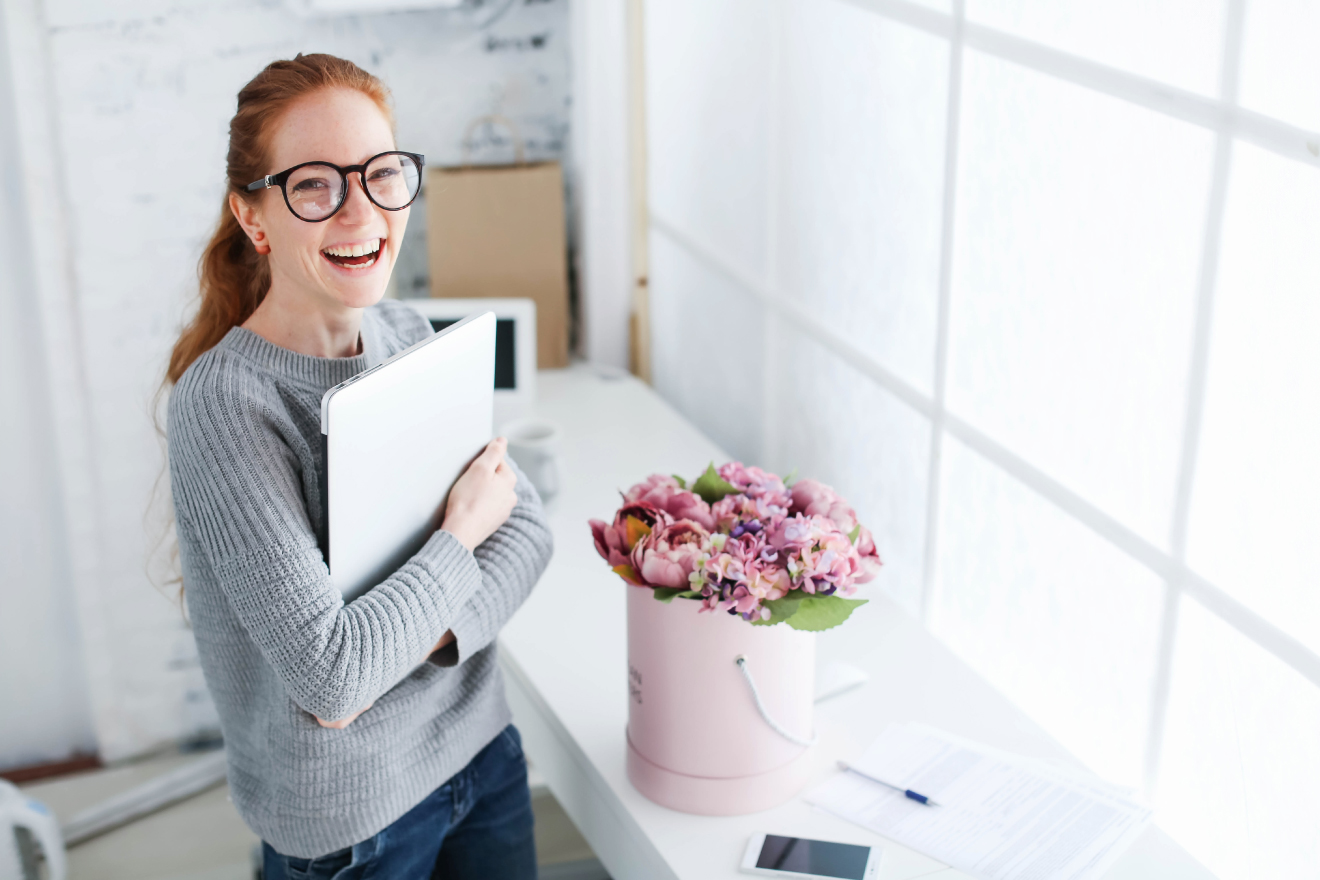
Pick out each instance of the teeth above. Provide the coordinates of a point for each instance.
(354, 250)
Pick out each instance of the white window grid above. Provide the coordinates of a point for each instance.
(1229, 122)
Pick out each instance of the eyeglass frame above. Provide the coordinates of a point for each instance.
(281, 178)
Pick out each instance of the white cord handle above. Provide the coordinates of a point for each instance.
(760, 707)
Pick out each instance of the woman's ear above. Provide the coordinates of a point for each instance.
(249, 218)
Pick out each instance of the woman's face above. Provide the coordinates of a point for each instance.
(343, 127)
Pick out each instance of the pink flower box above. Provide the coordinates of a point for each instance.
(733, 577)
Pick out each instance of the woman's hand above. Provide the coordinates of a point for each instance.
(483, 497)
(445, 639)
(342, 722)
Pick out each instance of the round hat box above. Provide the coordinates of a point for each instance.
(697, 741)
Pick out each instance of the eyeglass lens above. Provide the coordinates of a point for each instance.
(316, 191)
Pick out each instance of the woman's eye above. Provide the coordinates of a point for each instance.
(310, 185)
(384, 173)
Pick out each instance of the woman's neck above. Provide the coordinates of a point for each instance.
(307, 326)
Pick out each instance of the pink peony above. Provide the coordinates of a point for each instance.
(816, 499)
(868, 557)
(615, 542)
(669, 555)
(665, 494)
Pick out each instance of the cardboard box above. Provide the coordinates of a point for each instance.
(498, 230)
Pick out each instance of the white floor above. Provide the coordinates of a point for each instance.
(204, 839)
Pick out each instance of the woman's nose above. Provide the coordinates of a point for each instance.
(357, 209)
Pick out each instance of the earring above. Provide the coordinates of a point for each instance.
(260, 243)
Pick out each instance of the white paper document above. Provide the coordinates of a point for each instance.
(999, 817)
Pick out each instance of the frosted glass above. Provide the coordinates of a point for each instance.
(1240, 765)
(1079, 224)
(1280, 67)
(1174, 41)
(1056, 618)
(862, 179)
(1255, 512)
(695, 316)
(707, 123)
(834, 424)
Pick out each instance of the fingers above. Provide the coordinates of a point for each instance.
(495, 449)
(342, 722)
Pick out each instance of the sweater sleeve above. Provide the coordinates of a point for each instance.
(235, 484)
(511, 562)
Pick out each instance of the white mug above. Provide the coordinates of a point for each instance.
(534, 445)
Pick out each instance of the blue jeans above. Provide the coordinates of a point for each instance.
(476, 825)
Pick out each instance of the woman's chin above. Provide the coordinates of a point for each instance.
(363, 288)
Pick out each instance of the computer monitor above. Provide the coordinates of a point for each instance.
(515, 346)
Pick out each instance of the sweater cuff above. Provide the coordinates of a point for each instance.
(471, 635)
(452, 568)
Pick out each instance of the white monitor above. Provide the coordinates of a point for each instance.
(515, 346)
(395, 439)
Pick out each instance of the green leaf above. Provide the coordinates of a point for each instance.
(669, 594)
(682, 483)
(857, 530)
(817, 613)
(780, 610)
(711, 486)
(792, 475)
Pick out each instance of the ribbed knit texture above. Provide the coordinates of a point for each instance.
(278, 645)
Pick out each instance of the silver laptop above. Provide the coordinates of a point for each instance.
(395, 439)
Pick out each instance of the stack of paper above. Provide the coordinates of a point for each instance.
(999, 816)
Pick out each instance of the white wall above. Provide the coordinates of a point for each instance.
(42, 688)
(135, 98)
(1033, 283)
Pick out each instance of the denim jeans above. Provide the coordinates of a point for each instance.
(476, 825)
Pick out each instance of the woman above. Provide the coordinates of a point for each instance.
(367, 738)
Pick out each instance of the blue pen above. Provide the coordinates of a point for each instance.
(907, 792)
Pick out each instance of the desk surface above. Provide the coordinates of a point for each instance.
(564, 656)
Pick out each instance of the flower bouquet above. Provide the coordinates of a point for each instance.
(743, 541)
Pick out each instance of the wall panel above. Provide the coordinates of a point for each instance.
(1079, 223)
(1280, 65)
(861, 177)
(1062, 622)
(1173, 41)
(707, 91)
(834, 424)
(1240, 766)
(1256, 504)
(706, 348)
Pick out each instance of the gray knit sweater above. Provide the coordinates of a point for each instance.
(278, 645)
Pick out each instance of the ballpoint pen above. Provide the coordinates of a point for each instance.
(907, 792)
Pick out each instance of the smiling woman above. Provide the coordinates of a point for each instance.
(372, 733)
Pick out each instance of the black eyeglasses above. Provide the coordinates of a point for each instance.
(314, 191)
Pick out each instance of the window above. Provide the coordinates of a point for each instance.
(1057, 264)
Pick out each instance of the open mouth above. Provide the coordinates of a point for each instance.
(360, 255)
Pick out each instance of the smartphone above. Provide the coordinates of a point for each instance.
(774, 856)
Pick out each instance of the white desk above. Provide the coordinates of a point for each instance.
(564, 658)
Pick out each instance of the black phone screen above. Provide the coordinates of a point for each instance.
(844, 860)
